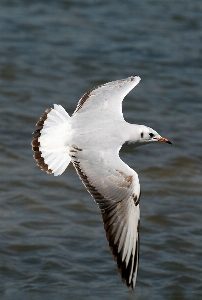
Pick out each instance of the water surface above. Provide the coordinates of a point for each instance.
(53, 244)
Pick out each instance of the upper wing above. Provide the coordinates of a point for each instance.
(108, 96)
(115, 187)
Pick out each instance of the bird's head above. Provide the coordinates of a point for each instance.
(148, 135)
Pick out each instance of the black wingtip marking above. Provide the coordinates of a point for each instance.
(123, 269)
(108, 212)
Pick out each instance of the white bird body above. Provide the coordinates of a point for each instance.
(92, 139)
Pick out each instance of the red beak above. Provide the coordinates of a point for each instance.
(164, 140)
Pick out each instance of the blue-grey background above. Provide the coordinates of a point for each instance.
(52, 241)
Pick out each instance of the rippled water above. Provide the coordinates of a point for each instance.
(52, 243)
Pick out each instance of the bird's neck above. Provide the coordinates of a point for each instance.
(133, 134)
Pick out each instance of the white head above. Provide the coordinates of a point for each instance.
(146, 135)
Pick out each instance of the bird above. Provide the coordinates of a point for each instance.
(91, 139)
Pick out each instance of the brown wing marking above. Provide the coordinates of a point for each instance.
(114, 219)
(35, 143)
(85, 97)
(101, 201)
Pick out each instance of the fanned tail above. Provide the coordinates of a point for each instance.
(51, 143)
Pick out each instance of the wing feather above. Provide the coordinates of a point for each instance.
(107, 97)
(114, 191)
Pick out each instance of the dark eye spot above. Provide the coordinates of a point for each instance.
(151, 135)
(142, 134)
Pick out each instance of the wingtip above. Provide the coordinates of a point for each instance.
(138, 78)
(135, 78)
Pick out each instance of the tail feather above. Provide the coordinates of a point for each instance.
(52, 141)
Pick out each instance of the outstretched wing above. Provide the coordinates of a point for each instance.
(115, 187)
(108, 96)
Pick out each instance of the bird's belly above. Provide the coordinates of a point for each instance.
(100, 135)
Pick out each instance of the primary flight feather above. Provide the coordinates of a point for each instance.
(91, 139)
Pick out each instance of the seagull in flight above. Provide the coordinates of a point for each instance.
(91, 139)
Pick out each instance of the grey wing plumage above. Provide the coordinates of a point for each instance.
(108, 96)
(115, 188)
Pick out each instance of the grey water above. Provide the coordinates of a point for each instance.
(52, 240)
